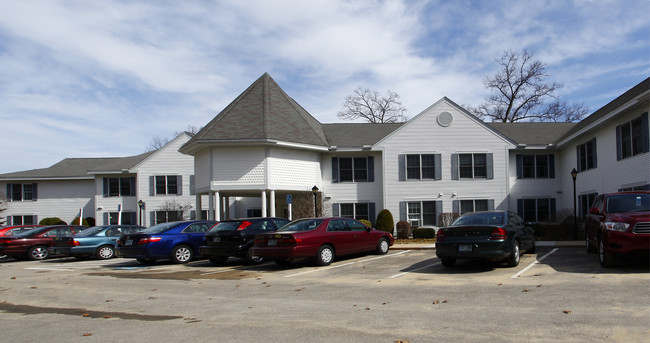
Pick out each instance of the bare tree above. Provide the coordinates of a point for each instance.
(3, 207)
(158, 142)
(176, 207)
(520, 93)
(373, 107)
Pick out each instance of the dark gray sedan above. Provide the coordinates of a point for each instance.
(490, 235)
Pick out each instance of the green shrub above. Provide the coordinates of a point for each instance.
(424, 232)
(366, 222)
(403, 229)
(52, 221)
(75, 221)
(385, 221)
(91, 221)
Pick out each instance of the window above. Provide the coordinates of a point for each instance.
(535, 166)
(119, 186)
(632, 137)
(585, 201)
(423, 167)
(357, 211)
(168, 216)
(253, 212)
(423, 213)
(21, 192)
(22, 220)
(167, 184)
(128, 218)
(472, 166)
(473, 205)
(352, 169)
(536, 210)
(587, 155)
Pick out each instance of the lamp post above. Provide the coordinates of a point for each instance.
(315, 191)
(574, 174)
(141, 206)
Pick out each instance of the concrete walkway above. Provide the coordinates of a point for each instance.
(553, 244)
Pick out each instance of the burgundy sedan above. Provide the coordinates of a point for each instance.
(321, 239)
(34, 244)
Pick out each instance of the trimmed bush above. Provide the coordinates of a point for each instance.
(75, 221)
(52, 221)
(385, 221)
(403, 229)
(424, 232)
(366, 222)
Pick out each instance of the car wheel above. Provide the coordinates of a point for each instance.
(252, 259)
(590, 248)
(513, 259)
(219, 260)
(448, 261)
(146, 261)
(2, 257)
(382, 246)
(325, 255)
(105, 252)
(38, 252)
(605, 257)
(181, 254)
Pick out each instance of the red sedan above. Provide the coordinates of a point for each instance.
(8, 231)
(322, 239)
(33, 244)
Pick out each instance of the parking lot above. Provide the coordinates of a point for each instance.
(557, 293)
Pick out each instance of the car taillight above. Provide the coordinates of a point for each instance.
(440, 235)
(149, 240)
(243, 225)
(5, 241)
(498, 234)
(288, 240)
(73, 243)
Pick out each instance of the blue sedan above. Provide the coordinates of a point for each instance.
(175, 241)
(98, 242)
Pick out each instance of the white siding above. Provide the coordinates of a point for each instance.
(293, 169)
(239, 167)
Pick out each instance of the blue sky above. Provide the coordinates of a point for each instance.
(102, 78)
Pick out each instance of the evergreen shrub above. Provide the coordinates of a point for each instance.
(385, 221)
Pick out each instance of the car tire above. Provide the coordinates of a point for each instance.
(252, 259)
(146, 261)
(218, 260)
(105, 252)
(590, 248)
(513, 259)
(448, 261)
(38, 252)
(325, 255)
(382, 246)
(181, 254)
(605, 257)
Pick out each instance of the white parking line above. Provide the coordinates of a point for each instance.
(345, 264)
(228, 270)
(532, 264)
(414, 270)
(52, 268)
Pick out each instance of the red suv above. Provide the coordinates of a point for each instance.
(618, 223)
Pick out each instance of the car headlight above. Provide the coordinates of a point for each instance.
(616, 226)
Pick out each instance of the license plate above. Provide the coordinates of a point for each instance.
(465, 248)
(216, 239)
(272, 242)
(128, 242)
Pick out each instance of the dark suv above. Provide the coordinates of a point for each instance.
(618, 223)
(236, 237)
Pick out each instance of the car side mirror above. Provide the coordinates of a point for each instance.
(594, 210)
(368, 229)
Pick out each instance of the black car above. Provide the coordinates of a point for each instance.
(236, 237)
(490, 235)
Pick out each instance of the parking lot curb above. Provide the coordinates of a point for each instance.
(552, 244)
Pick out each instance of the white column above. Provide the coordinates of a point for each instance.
(210, 205)
(217, 214)
(264, 204)
(272, 204)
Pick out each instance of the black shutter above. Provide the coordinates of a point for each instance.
(335, 210)
(132, 186)
(179, 185)
(105, 187)
(106, 221)
(489, 166)
(403, 215)
(9, 220)
(645, 134)
(551, 166)
(401, 166)
(9, 193)
(152, 184)
(335, 169)
(455, 206)
(371, 169)
(490, 204)
(520, 166)
(437, 160)
(34, 192)
(438, 210)
(578, 158)
(454, 166)
(371, 212)
(619, 146)
(134, 219)
(520, 207)
(552, 205)
(593, 147)
(192, 184)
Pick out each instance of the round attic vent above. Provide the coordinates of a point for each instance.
(445, 119)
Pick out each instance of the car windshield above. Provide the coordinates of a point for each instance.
(90, 231)
(628, 203)
(225, 226)
(302, 225)
(481, 218)
(162, 227)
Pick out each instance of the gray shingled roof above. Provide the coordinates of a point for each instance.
(262, 112)
(79, 167)
(355, 135)
(533, 133)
